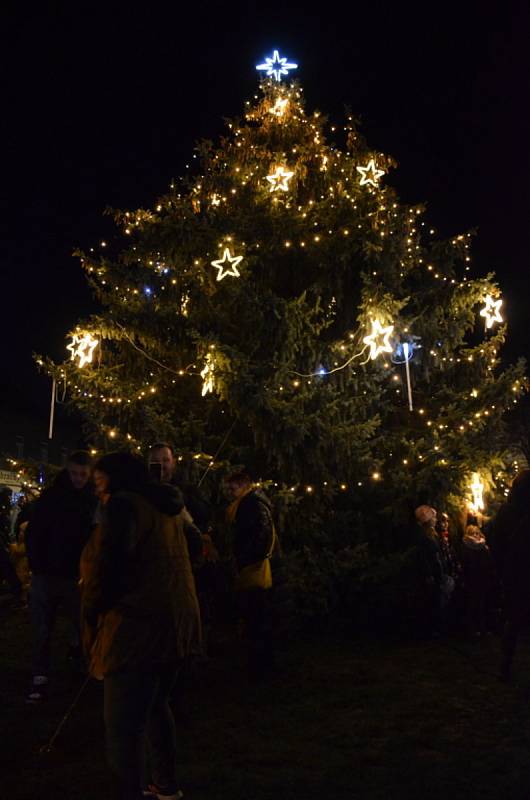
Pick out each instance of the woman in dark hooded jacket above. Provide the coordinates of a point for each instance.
(140, 618)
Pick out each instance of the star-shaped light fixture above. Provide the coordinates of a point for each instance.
(378, 339)
(276, 66)
(491, 311)
(232, 261)
(370, 174)
(279, 180)
(477, 490)
(280, 107)
(207, 376)
(82, 347)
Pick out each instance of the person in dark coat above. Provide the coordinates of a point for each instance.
(430, 576)
(479, 580)
(510, 545)
(7, 570)
(140, 620)
(250, 514)
(195, 512)
(61, 523)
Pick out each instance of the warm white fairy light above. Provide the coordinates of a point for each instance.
(276, 66)
(379, 339)
(491, 312)
(279, 180)
(82, 347)
(232, 261)
(370, 174)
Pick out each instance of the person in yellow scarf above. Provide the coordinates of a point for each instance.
(255, 541)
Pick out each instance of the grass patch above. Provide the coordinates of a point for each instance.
(367, 719)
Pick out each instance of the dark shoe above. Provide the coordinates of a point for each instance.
(38, 691)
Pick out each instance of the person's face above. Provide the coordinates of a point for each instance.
(101, 484)
(79, 475)
(232, 489)
(164, 457)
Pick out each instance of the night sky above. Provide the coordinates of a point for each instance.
(102, 108)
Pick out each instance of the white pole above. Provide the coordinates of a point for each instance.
(407, 370)
(52, 410)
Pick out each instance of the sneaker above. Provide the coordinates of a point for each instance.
(163, 793)
(38, 691)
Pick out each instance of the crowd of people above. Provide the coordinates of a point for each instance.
(128, 554)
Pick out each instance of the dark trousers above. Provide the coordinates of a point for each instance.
(256, 612)
(8, 572)
(140, 729)
(48, 594)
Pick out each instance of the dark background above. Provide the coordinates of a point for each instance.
(102, 103)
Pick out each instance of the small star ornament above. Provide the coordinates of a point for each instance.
(491, 312)
(82, 347)
(370, 174)
(279, 180)
(477, 490)
(207, 376)
(221, 265)
(280, 107)
(379, 339)
(276, 66)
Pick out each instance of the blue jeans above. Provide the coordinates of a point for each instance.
(140, 729)
(48, 594)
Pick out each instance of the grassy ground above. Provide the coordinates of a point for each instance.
(373, 720)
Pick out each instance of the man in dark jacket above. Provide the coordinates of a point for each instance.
(196, 512)
(254, 542)
(60, 526)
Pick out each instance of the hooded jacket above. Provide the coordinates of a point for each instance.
(60, 526)
(253, 528)
(139, 605)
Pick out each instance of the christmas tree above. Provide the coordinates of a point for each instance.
(280, 308)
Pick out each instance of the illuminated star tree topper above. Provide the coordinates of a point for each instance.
(232, 261)
(276, 66)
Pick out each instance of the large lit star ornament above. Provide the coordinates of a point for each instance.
(231, 261)
(491, 311)
(82, 347)
(379, 339)
(279, 180)
(276, 66)
(207, 376)
(370, 174)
